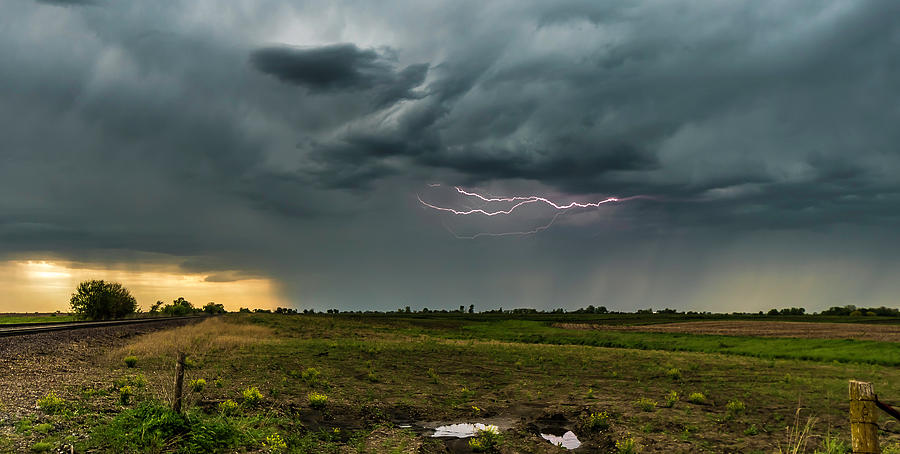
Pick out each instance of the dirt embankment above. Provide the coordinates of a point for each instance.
(33, 364)
(810, 330)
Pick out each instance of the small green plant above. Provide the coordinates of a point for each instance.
(595, 422)
(674, 373)
(130, 361)
(218, 382)
(626, 445)
(125, 394)
(893, 448)
(274, 443)
(317, 400)
(432, 375)
(51, 403)
(198, 385)
(310, 375)
(43, 428)
(697, 398)
(486, 440)
(752, 430)
(646, 404)
(41, 446)
(372, 376)
(228, 407)
(252, 396)
(671, 399)
(834, 445)
(734, 407)
(590, 393)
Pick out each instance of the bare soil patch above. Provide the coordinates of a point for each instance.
(809, 330)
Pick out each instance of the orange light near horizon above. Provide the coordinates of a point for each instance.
(46, 286)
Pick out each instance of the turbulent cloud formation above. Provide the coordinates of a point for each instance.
(289, 139)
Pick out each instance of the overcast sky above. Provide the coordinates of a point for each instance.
(290, 143)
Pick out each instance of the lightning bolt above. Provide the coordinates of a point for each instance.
(517, 202)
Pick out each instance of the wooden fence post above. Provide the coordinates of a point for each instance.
(179, 382)
(863, 418)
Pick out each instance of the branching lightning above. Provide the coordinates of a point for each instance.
(517, 202)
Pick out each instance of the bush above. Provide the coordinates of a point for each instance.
(252, 396)
(51, 404)
(100, 300)
(130, 361)
(317, 400)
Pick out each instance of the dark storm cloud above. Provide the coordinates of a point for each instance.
(340, 67)
(179, 129)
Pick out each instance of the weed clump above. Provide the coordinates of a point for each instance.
(274, 443)
(674, 373)
(130, 361)
(228, 407)
(125, 394)
(486, 440)
(252, 396)
(198, 385)
(595, 422)
(734, 407)
(317, 400)
(697, 398)
(41, 446)
(646, 404)
(310, 375)
(671, 399)
(43, 428)
(51, 403)
(626, 445)
(154, 427)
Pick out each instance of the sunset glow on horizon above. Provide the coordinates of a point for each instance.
(47, 285)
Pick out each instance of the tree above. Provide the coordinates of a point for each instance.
(154, 309)
(179, 308)
(471, 308)
(213, 308)
(101, 300)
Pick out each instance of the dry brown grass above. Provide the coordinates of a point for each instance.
(198, 339)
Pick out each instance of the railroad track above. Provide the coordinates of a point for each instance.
(20, 329)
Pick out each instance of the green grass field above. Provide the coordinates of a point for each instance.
(40, 318)
(379, 375)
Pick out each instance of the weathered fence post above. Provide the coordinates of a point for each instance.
(863, 418)
(179, 382)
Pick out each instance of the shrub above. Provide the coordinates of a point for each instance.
(213, 308)
(228, 407)
(125, 394)
(130, 361)
(671, 399)
(179, 308)
(626, 445)
(198, 385)
(51, 404)
(595, 422)
(486, 440)
(252, 396)
(646, 404)
(697, 398)
(101, 300)
(317, 400)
